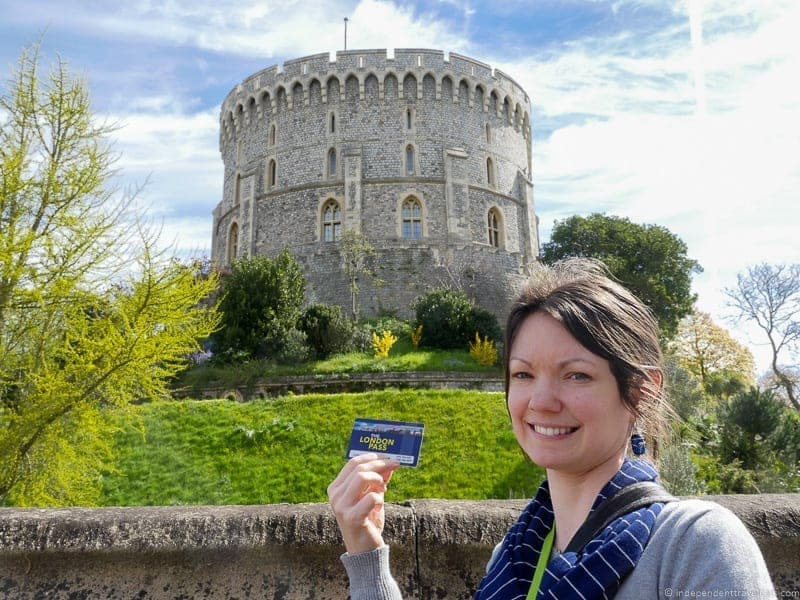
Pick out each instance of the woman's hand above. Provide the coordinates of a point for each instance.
(356, 496)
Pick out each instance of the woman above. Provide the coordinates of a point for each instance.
(583, 377)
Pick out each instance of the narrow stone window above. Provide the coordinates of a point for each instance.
(409, 160)
(489, 171)
(332, 162)
(333, 123)
(488, 134)
(409, 119)
(272, 176)
(494, 228)
(233, 243)
(331, 221)
(272, 135)
(412, 218)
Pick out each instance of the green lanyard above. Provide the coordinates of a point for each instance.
(541, 565)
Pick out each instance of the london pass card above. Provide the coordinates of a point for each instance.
(398, 440)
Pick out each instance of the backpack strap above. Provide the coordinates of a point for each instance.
(628, 499)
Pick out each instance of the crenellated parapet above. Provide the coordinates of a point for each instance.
(457, 78)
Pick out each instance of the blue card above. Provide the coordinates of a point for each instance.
(397, 440)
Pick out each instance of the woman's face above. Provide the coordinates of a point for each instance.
(564, 402)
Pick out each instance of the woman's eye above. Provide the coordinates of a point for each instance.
(578, 376)
(520, 375)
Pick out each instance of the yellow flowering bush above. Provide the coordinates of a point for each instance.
(483, 350)
(383, 343)
(416, 336)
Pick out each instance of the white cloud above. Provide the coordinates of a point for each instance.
(726, 184)
(176, 155)
(266, 29)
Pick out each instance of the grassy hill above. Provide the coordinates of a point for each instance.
(289, 449)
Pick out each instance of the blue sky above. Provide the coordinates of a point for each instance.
(685, 113)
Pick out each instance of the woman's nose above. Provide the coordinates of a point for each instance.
(544, 397)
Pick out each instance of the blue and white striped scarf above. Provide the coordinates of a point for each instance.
(595, 572)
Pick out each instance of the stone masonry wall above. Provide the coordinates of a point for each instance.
(439, 549)
(469, 128)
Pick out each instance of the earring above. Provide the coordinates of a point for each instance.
(637, 444)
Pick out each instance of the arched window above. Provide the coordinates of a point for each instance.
(332, 162)
(489, 171)
(409, 160)
(272, 135)
(412, 218)
(331, 221)
(233, 243)
(495, 227)
(272, 173)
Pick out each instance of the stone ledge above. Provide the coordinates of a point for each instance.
(347, 382)
(439, 548)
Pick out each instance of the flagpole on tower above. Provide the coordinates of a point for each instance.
(345, 33)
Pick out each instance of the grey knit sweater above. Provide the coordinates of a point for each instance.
(697, 549)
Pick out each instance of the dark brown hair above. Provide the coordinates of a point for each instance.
(606, 319)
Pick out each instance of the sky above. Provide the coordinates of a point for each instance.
(684, 113)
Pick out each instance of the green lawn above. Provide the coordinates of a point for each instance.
(289, 449)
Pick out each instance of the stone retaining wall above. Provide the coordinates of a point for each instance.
(439, 549)
(337, 383)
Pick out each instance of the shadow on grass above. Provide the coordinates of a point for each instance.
(521, 482)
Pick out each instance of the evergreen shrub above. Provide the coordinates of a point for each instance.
(449, 319)
(261, 302)
(327, 330)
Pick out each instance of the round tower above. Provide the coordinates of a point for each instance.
(426, 154)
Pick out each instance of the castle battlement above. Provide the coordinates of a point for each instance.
(262, 91)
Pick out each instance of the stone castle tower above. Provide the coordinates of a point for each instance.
(427, 154)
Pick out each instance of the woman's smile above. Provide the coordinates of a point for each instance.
(552, 431)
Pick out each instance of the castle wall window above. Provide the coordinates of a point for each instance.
(488, 134)
(412, 219)
(409, 119)
(233, 243)
(272, 135)
(331, 221)
(272, 173)
(409, 160)
(495, 227)
(332, 128)
(332, 162)
(489, 171)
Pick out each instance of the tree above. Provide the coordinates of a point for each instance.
(648, 259)
(261, 303)
(704, 349)
(747, 421)
(769, 295)
(82, 332)
(356, 251)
